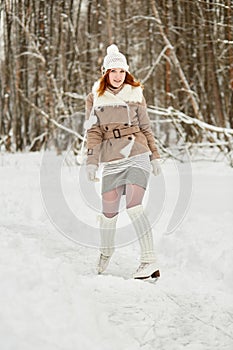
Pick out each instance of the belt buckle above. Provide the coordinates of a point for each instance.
(116, 133)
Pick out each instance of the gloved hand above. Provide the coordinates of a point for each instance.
(156, 168)
(91, 170)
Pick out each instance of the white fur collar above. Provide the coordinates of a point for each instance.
(127, 94)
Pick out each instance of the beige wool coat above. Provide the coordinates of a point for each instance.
(119, 113)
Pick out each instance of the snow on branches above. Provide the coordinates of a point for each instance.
(177, 132)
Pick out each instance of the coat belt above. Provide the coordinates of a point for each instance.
(118, 133)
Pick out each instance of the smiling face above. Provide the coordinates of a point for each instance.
(117, 77)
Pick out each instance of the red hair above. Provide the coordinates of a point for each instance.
(104, 82)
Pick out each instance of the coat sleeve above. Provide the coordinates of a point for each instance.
(94, 134)
(145, 127)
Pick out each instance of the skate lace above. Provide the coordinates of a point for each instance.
(142, 266)
(103, 259)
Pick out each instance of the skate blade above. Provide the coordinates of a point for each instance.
(155, 275)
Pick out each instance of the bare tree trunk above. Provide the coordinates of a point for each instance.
(109, 22)
(88, 43)
(168, 6)
(213, 81)
(6, 74)
(123, 12)
(230, 41)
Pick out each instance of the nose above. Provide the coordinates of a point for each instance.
(119, 75)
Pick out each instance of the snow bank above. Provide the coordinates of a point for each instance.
(51, 297)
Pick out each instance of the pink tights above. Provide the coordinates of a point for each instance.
(111, 199)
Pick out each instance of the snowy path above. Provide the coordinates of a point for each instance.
(51, 298)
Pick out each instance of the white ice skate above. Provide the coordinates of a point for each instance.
(103, 263)
(107, 235)
(147, 270)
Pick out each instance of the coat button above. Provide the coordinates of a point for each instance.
(130, 138)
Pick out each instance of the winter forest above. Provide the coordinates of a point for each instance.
(52, 51)
(51, 295)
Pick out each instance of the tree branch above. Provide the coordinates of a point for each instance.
(44, 114)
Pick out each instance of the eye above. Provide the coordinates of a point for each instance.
(122, 71)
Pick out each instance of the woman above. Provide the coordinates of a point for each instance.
(119, 136)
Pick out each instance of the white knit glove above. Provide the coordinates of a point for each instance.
(91, 170)
(156, 168)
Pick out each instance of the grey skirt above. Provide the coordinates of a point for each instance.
(130, 175)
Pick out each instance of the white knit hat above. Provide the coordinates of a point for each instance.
(114, 59)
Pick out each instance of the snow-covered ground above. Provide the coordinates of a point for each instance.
(50, 295)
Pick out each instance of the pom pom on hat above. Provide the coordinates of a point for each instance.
(114, 59)
(112, 49)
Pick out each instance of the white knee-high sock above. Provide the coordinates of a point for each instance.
(107, 234)
(143, 230)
